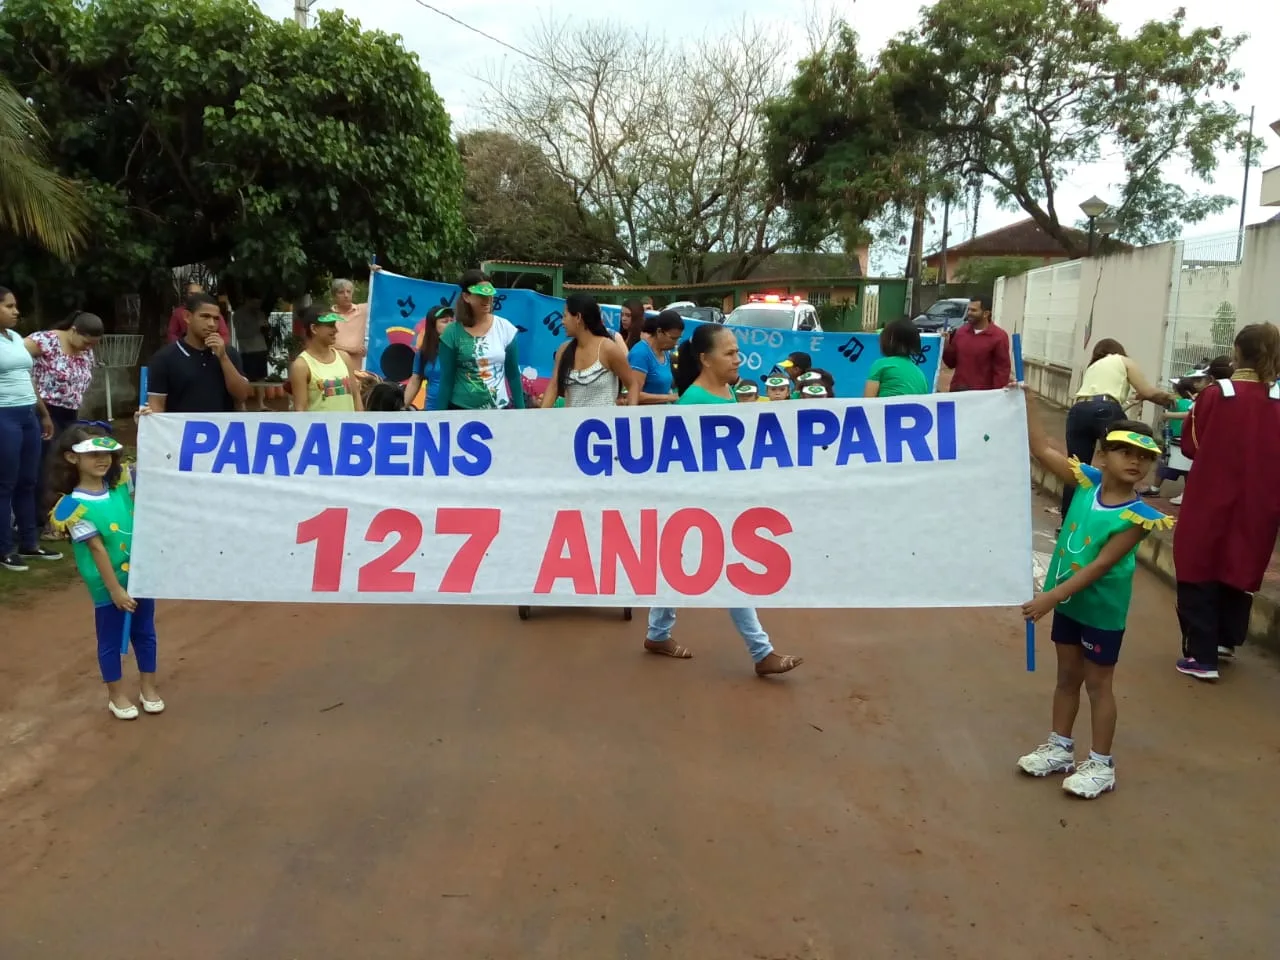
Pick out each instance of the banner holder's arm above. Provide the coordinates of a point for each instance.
(1019, 375)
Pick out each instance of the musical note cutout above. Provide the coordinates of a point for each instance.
(552, 322)
(851, 349)
(406, 306)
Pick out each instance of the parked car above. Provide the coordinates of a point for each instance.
(944, 316)
(705, 314)
(775, 312)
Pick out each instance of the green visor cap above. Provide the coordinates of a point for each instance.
(328, 318)
(482, 289)
(97, 445)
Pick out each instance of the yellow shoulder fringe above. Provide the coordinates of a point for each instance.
(1148, 523)
(64, 525)
(1082, 478)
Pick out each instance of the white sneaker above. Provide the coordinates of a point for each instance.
(1226, 653)
(1093, 779)
(1177, 501)
(1046, 759)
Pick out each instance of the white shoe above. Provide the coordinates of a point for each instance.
(1176, 501)
(151, 706)
(1046, 759)
(123, 713)
(1093, 779)
(1226, 653)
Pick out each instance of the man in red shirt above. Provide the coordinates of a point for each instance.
(978, 351)
(178, 319)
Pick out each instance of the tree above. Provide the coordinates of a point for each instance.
(1020, 93)
(35, 202)
(662, 143)
(519, 208)
(205, 132)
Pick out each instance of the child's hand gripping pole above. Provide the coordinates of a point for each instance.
(128, 617)
(1031, 624)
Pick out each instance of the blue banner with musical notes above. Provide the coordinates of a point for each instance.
(398, 307)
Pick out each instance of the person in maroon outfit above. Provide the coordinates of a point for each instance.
(177, 328)
(978, 351)
(1230, 516)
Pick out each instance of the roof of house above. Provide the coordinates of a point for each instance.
(1022, 239)
(778, 266)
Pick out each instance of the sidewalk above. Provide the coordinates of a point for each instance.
(1156, 552)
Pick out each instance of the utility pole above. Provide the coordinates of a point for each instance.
(1244, 197)
(946, 224)
(301, 9)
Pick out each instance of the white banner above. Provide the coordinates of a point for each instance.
(906, 502)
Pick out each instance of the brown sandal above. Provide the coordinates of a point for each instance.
(667, 648)
(785, 665)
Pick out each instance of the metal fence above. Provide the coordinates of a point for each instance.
(1049, 315)
(1203, 307)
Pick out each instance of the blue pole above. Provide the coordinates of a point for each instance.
(1031, 626)
(128, 617)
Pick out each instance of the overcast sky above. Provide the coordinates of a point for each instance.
(458, 59)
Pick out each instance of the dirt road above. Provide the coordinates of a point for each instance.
(452, 783)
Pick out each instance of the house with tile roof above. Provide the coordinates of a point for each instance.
(1024, 239)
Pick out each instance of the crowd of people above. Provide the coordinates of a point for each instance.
(1222, 425)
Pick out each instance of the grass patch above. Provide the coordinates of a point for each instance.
(23, 589)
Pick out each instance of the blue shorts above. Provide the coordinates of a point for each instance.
(1100, 646)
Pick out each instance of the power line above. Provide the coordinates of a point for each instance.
(477, 30)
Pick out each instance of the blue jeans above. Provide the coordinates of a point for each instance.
(19, 468)
(663, 619)
(142, 635)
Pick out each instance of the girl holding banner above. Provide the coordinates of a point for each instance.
(591, 365)
(706, 370)
(96, 512)
(1087, 587)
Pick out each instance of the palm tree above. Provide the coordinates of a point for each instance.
(35, 201)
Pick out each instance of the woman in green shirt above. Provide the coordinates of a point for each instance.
(705, 372)
(897, 373)
(479, 366)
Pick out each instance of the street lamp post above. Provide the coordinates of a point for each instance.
(1093, 208)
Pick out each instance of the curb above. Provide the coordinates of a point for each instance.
(1156, 554)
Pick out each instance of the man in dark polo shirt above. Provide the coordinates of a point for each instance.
(198, 373)
(978, 351)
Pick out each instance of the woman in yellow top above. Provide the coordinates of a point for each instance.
(1104, 390)
(323, 377)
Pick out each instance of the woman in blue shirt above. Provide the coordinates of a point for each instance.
(652, 356)
(426, 363)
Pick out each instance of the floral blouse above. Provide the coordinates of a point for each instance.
(61, 378)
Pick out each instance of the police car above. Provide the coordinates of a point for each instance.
(775, 312)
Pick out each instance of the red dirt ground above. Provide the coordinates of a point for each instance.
(403, 782)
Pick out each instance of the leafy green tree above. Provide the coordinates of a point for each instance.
(1020, 93)
(205, 132)
(519, 208)
(35, 202)
(1223, 327)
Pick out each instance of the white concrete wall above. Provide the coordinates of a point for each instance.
(1126, 294)
(1259, 290)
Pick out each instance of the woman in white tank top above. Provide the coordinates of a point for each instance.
(592, 366)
